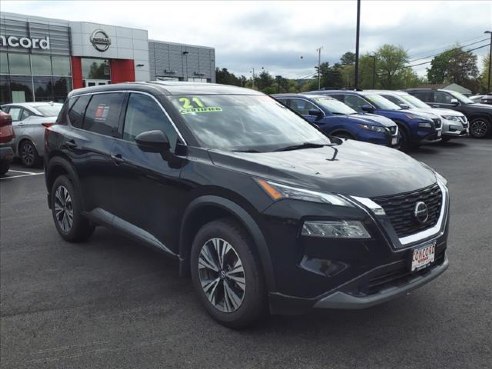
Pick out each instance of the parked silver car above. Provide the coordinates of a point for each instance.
(29, 120)
(454, 123)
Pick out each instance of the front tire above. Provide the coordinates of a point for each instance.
(479, 127)
(66, 208)
(28, 154)
(226, 274)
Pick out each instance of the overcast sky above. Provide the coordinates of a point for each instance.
(275, 35)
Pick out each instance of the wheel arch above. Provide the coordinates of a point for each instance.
(58, 166)
(207, 208)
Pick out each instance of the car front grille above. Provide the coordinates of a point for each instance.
(392, 130)
(400, 209)
(437, 122)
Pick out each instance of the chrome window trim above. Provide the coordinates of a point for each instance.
(137, 92)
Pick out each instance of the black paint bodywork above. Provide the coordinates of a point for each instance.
(162, 200)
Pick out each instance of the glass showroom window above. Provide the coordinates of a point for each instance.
(4, 90)
(95, 69)
(21, 88)
(4, 64)
(43, 88)
(19, 64)
(41, 65)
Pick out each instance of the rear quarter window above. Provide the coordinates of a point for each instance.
(77, 106)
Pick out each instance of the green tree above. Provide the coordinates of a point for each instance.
(223, 76)
(454, 66)
(391, 61)
(348, 58)
(484, 77)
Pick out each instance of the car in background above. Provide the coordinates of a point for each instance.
(29, 121)
(479, 115)
(482, 99)
(415, 127)
(6, 141)
(454, 123)
(261, 209)
(334, 118)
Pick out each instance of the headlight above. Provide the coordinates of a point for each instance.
(279, 191)
(334, 229)
(373, 128)
(425, 125)
(451, 117)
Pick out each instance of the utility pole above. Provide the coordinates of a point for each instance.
(490, 61)
(357, 47)
(253, 83)
(374, 72)
(319, 66)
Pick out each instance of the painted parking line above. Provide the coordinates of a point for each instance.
(23, 174)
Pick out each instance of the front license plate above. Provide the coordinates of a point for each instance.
(394, 140)
(423, 256)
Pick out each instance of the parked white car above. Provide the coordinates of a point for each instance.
(29, 121)
(454, 123)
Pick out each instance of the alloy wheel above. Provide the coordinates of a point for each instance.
(27, 154)
(221, 275)
(478, 128)
(63, 209)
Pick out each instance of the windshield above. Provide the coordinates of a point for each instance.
(334, 106)
(49, 110)
(461, 98)
(381, 103)
(244, 123)
(413, 101)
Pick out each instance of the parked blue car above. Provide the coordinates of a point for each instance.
(334, 118)
(415, 127)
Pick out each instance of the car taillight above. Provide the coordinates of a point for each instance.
(5, 119)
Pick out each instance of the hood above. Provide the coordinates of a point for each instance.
(441, 111)
(424, 114)
(376, 118)
(360, 169)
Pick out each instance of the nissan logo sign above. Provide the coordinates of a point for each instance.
(25, 42)
(100, 40)
(421, 212)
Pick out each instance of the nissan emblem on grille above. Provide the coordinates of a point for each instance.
(421, 212)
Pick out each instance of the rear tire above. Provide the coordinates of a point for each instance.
(66, 208)
(4, 168)
(28, 154)
(227, 275)
(480, 127)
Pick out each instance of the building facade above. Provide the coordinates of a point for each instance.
(42, 59)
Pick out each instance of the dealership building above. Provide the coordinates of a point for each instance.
(42, 59)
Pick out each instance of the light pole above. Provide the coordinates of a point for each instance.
(319, 66)
(374, 71)
(253, 83)
(185, 53)
(490, 61)
(357, 47)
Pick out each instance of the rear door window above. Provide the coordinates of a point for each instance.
(301, 106)
(103, 113)
(15, 112)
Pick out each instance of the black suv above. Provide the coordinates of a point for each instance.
(264, 211)
(479, 115)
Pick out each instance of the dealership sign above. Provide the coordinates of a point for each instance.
(25, 42)
(100, 40)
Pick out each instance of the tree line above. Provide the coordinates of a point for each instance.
(387, 68)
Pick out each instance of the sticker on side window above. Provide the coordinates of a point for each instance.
(195, 105)
(101, 112)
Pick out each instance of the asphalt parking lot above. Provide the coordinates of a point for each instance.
(111, 303)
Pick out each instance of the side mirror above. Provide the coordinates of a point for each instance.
(316, 112)
(153, 141)
(404, 106)
(455, 102)
(367, 108)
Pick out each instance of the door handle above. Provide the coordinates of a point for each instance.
(117, 159)
(70, 144)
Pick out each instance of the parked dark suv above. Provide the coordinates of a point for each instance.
(262, 209)
(479, 115)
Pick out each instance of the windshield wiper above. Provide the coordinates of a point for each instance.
(247, 150)
(305, 145)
